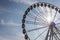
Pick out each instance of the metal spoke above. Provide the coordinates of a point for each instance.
(36, 18)
(56, 36)
(36, 29)
(31, 16)
(39, 35)
(41, 12)
(44, 14)
(51, 12)
(35, 23)
(50, 35)
(57, 30)
(54, 16)
(57, 23)
(41, 15)
(46, 38)
(57, 19)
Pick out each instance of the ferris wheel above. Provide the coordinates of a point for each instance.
(41, 21)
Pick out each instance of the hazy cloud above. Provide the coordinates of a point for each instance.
(19, 36)
(10, 23)
(15, 11)
(25, 1)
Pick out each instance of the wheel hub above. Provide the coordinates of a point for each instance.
(52, 24)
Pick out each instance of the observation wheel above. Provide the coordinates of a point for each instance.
(41, 21)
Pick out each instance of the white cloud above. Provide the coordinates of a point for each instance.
(25, 1)
(19, 36)
(9, 23)
(17, 33)
(4, 10)
(15, 11)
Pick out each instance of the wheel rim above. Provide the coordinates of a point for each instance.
(41, 21)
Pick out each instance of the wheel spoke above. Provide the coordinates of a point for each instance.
(42, 10)
(46, 38)
(36, 18)
(35, 23)
(44, 14)
(39, 35)
(41, 15)
(56, 36)
(54, 16)
(50, 13)
(31, 16)
(36, 29)
(57, 19)
(50, 35)
(57, 23)
(57, 30)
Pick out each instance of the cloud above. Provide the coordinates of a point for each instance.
(14, 11)
(25, 1)
(19, 36)
(9, 23)
(11, 34)
(4, 10)
(2, 38)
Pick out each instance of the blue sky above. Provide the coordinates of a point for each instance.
(11, 13)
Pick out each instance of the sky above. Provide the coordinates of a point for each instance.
(11, 14)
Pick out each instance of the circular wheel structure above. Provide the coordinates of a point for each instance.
(41, 21)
